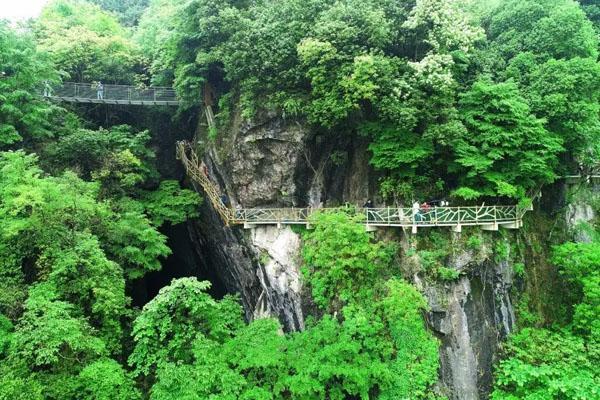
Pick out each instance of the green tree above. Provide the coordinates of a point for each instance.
(166, 329)
(23, 115)
(580, 264)
(504, 150)
(170, 203)
(88, 44)
(342, 263)
(546, 365)
(548, 28)
(559, 363)
(566, 94)
(129, 11)
(52, 343)
(106, 379)
(156, 37)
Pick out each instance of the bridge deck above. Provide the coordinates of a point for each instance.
(488, 217)
(111, 94)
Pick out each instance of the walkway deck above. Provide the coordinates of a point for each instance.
(112, 94)
(487, 217)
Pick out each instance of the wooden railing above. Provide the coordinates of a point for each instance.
(487, 216)
(196, 172)
(111, 94)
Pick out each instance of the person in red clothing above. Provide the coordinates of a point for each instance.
(425, 207)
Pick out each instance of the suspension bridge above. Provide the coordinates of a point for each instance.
(111, 94)
(490, 217)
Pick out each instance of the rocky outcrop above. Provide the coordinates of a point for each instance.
(256, 165)
(577, 214)
(471, 316)
(279, 274)
(263, 160)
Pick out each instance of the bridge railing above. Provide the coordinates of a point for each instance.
(110, 92)
(401, 216)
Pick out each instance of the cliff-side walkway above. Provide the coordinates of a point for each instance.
(487, 217)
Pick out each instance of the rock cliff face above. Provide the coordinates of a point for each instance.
(274, 162)
(257, 166)
(471, 316)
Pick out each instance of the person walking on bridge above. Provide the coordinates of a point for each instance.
(47, 89)
(100, 91)
(416, 211)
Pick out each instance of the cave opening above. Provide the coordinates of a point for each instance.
(184, 261)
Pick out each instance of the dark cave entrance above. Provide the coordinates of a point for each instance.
(184, 261)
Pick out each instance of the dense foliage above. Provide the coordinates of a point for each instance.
(128, 11)
(80, 212)
(22, 115)
(352, 276)
(420, 79)
(482, 100)
(88, 44)
(560, 362)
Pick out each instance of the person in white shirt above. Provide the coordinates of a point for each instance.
(416, 207)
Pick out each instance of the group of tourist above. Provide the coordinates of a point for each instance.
(420, 211)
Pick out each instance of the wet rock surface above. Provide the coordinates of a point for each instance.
(471, 316)
(279, 273)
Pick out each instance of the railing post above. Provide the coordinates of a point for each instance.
(458, 215)
(435, 213)
(388, 215)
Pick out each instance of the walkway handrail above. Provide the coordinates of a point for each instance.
(196, 172)
(390, 216)
(90, 91)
